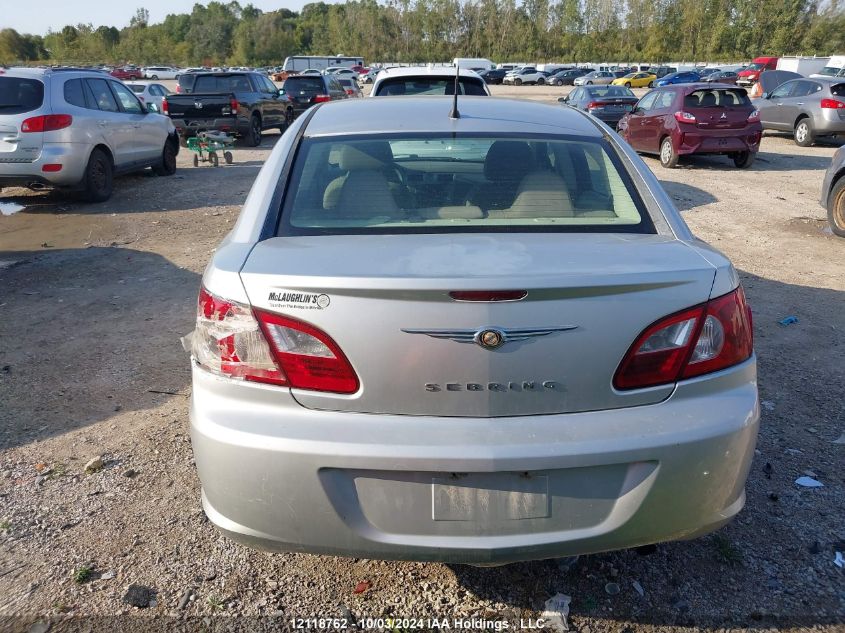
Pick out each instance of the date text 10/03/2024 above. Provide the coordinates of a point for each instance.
(424, 624)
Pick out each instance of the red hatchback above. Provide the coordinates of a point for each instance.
(701, 118)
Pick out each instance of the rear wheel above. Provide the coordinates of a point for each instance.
(98, 181)
(836, 208)
(668, 155)
(803, 133)
(167, 165)
(253, 138)
(227, 156)
(154, 77)
(212, 156)
(743, 160)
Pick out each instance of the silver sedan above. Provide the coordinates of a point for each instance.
(478, 339)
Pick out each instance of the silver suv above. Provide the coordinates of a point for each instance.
(77, 129)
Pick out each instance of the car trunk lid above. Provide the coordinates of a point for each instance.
(21, 98)
(386, 301)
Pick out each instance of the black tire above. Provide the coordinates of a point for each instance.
(154, 77)
(212, 156)
(651, 84)
(196, 160)
(803, 133)
(744, 160)
(253, 137)
(227, 156)
(668, 155)
(627, 84)
(517, 82)
(558, 82)
(541, 81)
(98, 182)
(167, 165)
(836, 208)
(589, 83)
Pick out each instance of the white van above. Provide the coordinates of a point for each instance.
(803, 65)
(835, 68)
(471, 63)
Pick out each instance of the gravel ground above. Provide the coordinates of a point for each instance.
(94, 298)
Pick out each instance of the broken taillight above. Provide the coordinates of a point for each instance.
(702, 339)
(233, 340)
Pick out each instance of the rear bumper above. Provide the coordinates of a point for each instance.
(280, 477)
(829, 121)
(192, 127)
(721, 142)
(73, 157)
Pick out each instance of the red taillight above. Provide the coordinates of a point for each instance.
(234, 105)
(51, 167)
(754, 117)
(833, 104)
(46, 123)
(696, 341)
(165, 107)
(308, 356)
(178, 89)
(349, 91)
(321, 98)
(233, 340)
(594, 104)
(488, 295)
(685, 117)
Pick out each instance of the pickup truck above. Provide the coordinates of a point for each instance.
(240, 103)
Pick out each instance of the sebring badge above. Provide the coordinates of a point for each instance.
(491, 337)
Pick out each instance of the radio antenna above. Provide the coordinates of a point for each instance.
(454, 114)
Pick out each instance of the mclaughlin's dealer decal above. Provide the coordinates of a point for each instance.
(299, 300)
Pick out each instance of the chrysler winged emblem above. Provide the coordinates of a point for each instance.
(491, 337)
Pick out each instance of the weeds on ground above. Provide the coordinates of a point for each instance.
(726, 550)
(215, 603)
(82, 574)
(5, 525)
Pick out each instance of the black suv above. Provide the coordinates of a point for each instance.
(303, 91)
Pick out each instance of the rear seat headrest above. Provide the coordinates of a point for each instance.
(507, 160)
(365, 156)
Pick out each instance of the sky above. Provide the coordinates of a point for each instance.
(40, 16)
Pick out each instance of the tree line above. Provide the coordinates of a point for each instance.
(438, 30)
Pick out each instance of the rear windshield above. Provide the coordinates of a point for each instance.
(725, 98)
(136, 88)
(429, 86)
(304, 85)
(838, 90)
(432, 183)
(224, 83)
(18, 95)
(609, 91)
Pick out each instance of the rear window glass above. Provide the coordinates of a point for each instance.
(429, 86)
(346, 83)
(304, 85)
(224, 83)
(716, 99)
(474, 183)
(74, 93)
(838, 90)
(136, 88)
(18, 95)
(609, 91)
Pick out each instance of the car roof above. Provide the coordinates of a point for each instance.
(40, 73)
(428, 71)
(430, 114)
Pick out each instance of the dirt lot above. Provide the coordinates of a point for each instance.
(94, 298)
